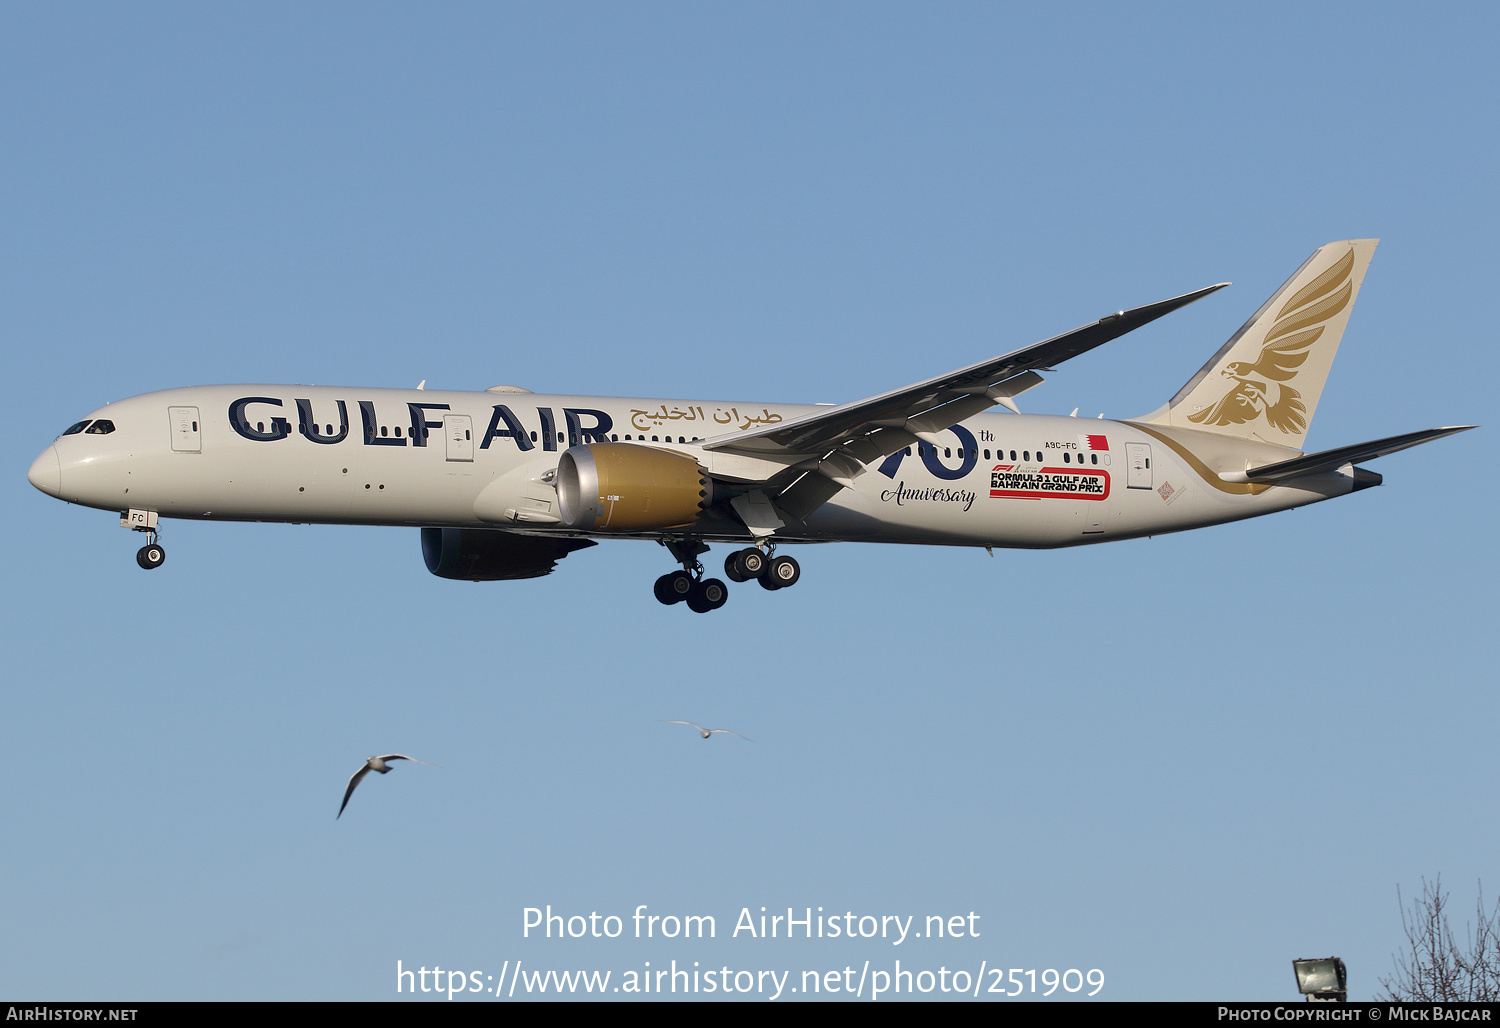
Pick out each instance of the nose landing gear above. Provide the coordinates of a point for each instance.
(151, 555)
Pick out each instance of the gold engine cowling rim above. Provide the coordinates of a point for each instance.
(626, 487)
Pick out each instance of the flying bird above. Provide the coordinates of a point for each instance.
(705, 732)
(372, 764)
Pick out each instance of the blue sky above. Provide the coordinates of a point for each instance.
(1228, 746)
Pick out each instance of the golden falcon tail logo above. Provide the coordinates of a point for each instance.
(1261, 388)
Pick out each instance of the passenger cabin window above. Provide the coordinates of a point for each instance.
(75, 429)
(101, 428)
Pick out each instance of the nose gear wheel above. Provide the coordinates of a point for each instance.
(150, 556)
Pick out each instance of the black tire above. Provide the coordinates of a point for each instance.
(150, 556)
(673, 587)
(716, 592)
(780, 573)
(709, 594)
(732, 568)
(752, 563)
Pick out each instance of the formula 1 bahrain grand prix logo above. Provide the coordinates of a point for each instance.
(1040, 483)
(1260, 388)
(1029, 480)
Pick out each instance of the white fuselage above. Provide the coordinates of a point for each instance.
(483, 459)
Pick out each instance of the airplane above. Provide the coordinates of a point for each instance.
(504, 483)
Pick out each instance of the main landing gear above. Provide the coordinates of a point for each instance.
(702, 594)
(705, 594)
(770, 571)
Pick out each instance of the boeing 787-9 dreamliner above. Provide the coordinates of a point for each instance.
(504, 483)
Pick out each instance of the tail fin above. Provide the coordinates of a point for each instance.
(1265, 382)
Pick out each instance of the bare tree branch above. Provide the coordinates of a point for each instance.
(1434, 967)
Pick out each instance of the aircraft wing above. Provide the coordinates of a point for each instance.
(839, 441)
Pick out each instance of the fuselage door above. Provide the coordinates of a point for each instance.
(1137, 466)
(458, 430)
(185, 435)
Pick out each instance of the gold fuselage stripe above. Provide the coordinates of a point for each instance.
(1203, 470)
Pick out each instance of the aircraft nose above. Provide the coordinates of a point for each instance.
(46, 472)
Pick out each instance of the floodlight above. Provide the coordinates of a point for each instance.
(1322, 981)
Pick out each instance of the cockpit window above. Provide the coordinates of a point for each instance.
(101, 427)
(75, 429)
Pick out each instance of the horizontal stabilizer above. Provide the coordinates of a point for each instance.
(1329, 460)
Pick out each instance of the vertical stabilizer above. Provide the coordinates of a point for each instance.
(1265, 382)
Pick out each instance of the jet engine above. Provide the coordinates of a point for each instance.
(624, 487)
(491, 555)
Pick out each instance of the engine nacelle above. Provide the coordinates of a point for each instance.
(491, 555)
(624, 487)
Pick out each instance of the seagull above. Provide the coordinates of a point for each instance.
(705, 732)
(372, 764)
